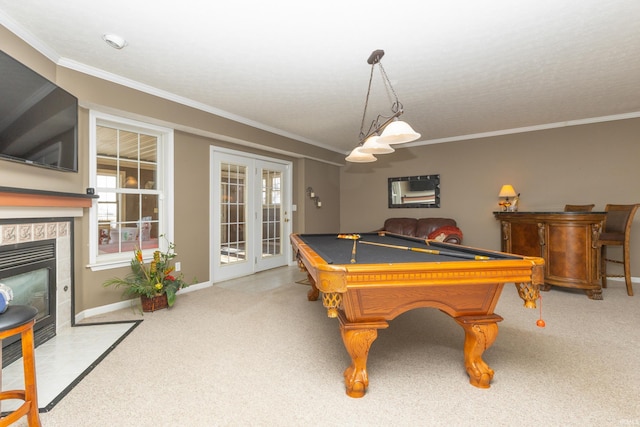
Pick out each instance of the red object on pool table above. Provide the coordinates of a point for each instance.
(393, 274)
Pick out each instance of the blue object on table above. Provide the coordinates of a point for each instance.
(6, 296)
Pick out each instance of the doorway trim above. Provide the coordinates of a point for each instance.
(287, 205)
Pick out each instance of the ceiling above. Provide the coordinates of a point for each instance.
(461, 68)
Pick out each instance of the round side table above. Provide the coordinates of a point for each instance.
(19, 319)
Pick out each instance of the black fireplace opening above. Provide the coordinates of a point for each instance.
(29, 269)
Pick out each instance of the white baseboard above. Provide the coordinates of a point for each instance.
(621, 279)
(128, 303)
(195, 287)
(104, 309)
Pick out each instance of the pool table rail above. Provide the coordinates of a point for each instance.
(526, 273)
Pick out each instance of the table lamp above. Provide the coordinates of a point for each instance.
(505, 192)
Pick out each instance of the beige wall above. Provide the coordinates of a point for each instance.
(324, 178)
(325, 181)
(550, 168)
(596, 163)
(196, 132)
(191, 197)
(191, 211)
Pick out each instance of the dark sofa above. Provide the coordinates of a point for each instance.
(442, 229)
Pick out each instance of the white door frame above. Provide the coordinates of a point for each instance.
(214, 238)
(262, 260)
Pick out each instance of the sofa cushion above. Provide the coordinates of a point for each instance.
(424, 227)
(404, 226)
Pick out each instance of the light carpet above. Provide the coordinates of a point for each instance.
(64, 360)
(254, 351)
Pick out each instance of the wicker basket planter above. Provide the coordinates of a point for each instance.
(154, 303)
(155, 277)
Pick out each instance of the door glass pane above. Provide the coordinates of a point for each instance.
(233, 207)
(271, 207)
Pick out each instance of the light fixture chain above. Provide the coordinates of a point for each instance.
(397, 106)
(366, 103)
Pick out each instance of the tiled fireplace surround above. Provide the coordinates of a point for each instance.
(43, 215)
(60, 231)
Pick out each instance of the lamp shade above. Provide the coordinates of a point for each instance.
(373, 146)
(507, 191)
(398, 132)
(357, 156)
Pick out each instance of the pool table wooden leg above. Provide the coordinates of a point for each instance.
(357, 338)
(314, 292)
(480, 333)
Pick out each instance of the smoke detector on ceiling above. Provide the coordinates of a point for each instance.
(114, 41)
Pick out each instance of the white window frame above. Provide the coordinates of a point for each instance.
(165, 173)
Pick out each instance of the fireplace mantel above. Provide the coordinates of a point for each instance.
(25, 203)
(28, 215)
(10, 196)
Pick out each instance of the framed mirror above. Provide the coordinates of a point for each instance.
(414, 192)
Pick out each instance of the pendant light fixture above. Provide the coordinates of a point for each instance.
(384, 130)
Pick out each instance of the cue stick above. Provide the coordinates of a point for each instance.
(428, 251)
(353, 252)
(355, 238)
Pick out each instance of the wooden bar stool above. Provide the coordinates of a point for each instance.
(19, 319)
(617, 232)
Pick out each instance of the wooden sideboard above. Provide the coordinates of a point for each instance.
(567, 241)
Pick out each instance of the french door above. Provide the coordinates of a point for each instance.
(250, 214)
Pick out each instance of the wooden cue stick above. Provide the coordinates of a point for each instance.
(353, 252)
(428, 251)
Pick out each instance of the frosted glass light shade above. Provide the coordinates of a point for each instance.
(398, 132)
(357, 156)
(373, 146)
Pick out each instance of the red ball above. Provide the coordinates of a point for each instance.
(541, 323)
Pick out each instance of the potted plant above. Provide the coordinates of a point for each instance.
(156, 283)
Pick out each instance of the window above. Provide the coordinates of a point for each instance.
(131, 175)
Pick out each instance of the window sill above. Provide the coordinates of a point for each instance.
(110, 257)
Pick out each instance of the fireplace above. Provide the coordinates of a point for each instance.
(40, 218)
(29, 269)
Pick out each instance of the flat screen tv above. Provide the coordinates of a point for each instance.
(38, 120)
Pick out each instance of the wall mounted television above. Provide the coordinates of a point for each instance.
(38, 119)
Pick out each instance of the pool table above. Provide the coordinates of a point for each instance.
(368, 279)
